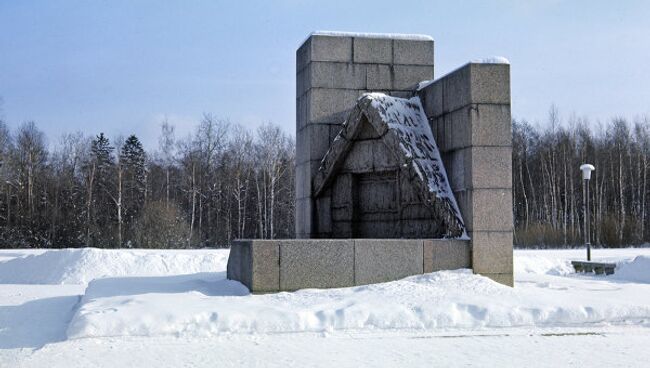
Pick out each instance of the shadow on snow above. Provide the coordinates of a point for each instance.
(36, 323)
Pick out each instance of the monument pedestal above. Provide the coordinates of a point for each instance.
(291, 264)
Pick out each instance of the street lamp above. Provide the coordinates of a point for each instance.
(586, 175)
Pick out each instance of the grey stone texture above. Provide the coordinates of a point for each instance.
(472, 125)
(375, 183)
(373, 50)
(381, 260)
(234, 267)
(469, 113)
(406, 77)
(266, 264)
(495, 253)
(304, 206)
(324, 48)
(471, 84)
(337, 75)
(329, 105)
(256, 264)
(486, 209)
(412, 52)
(325, 263)
(331, 73)
(446, 254)
(286, 265)
(379, 77)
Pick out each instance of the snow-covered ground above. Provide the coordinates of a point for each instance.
(90, 307)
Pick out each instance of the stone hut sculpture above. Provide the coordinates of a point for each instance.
(397, 173)
(383, 176)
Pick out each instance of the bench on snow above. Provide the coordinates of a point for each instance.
(598, 267)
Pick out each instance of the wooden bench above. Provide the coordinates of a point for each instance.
(598, 267)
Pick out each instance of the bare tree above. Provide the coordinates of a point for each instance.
(85, 193)
(167, 144)
(273, 151)
(240, 162)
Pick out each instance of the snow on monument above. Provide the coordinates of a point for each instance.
(383, 176)
(397, 173)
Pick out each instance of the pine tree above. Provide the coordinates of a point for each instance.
(99, 180)
(102, 153)
(133, 162)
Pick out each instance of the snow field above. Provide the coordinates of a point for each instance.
(186, 294)
(80, 266)
(451, 300)
(580, 348)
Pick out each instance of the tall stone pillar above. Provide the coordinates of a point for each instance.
(333, 70)
(469, 112)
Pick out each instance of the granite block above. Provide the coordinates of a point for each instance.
(373, 50)
(323, 263)
(382, 260)
(406, 77)
(337, 75)
(330, 48)
(492, 251)
(446, 254)
(413, 52)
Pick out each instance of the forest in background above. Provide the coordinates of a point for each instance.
(222, 182)
(547, 183)
(225, 182)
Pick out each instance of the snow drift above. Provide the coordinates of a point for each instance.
(543, 265)
(80, 266)
(441, 301)
(636, 270)
(186, 293)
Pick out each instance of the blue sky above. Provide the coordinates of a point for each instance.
(122, 66)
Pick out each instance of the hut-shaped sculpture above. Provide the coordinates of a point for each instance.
(383, 176)
(397, 173)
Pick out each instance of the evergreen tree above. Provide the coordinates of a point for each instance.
(133, 162)
(205, 189)
(102, 154)
(100, 180)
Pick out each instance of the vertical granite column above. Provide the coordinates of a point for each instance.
(333, 70)
(469, 112)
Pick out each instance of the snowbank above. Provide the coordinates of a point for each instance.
(186, 293)
(542, 265)
(79, 266)
(441, 301)
(636, 270)
(630, 266)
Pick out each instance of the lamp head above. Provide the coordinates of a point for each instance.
(586, 171)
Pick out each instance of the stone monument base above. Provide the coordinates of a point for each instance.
(287, 265)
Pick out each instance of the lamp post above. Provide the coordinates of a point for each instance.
(586, 175)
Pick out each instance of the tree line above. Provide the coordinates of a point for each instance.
(220, 183)
(224, 182)
(548, 188)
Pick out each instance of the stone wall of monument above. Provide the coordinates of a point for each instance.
(291, 264)
(332, 72)
(469, 112)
